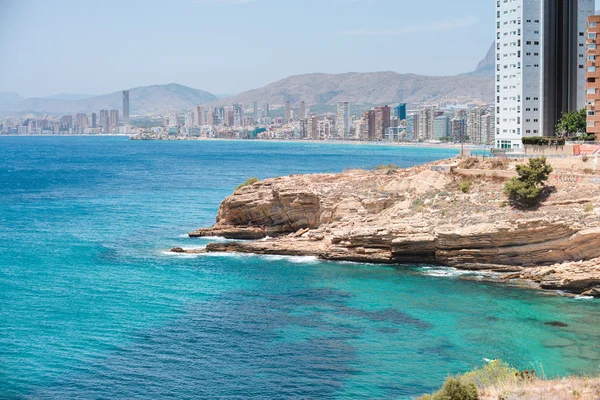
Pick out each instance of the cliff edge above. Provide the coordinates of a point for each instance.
(448, 213)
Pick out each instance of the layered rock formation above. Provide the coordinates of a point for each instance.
(419, 215)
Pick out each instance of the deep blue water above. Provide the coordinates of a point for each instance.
(91, 307)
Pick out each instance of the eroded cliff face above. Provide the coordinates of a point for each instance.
(416, 215)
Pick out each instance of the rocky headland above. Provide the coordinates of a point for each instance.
(452, 213)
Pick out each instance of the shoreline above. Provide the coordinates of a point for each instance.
(423, 215)
(499, 275)
(333, 142)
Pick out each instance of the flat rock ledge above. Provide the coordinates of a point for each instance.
(418, 215)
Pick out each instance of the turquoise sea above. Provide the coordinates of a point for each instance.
(92, 307)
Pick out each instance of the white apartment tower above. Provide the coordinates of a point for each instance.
(342, 122)
(540, 65)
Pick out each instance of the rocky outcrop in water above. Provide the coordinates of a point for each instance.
(420, 215)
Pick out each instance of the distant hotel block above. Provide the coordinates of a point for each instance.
(126, 107)
(540, 67)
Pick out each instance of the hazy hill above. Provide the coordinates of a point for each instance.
(143, 100)
(69, 96)
(9, 98)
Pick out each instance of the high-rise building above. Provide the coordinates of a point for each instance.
(342, 120)
(382, 121)
(199, 116)
(238, 114)
(255, 111)
(266, 110)
(126, 107)
(105, 121)
(67, 122)
(400, 111)
(288, 112)
(486, 128)
(114, 118)
(210, 116)
(540, 68)
(81, 120)
(93, 120)
(593, 76)
(474, 125)
(458, 129)
(426, 122)
(302, 110)
(441, 127)
(412, 126)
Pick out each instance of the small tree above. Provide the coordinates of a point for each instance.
(526, 189)
(572, 122)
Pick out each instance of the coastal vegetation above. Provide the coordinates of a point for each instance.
(527, 189)
(543, 141)
(248, 182)
(498, 380)
(465, 186)
(571, 122)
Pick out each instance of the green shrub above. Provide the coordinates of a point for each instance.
(544, 141)
(588, 208)
(465, 186)
(417, 205)
(455, 388)
(493, 373)
(248, 182)
(584, 158)
(526, 189)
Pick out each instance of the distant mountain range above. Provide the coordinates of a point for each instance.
(143, 100)
(315, 89)
(377, 88)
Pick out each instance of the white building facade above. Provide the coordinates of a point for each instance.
(540, 65)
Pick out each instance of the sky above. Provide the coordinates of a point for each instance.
(228, 46)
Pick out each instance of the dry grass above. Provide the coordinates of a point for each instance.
(564, 389)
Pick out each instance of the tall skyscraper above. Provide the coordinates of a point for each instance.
(114, 118)
(126, 107)
(81, 120)
(400, 111)
(93, 120)
(540, 65)
(302, 110)
(255, 112)
(105, 121)
(266, 110)
(288, 112)
(199, 116)
(342, 121)
(238, 114)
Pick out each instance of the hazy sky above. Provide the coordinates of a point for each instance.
(227, 46)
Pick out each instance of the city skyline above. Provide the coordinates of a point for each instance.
(273, 50)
